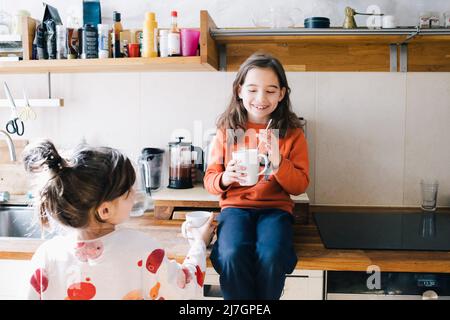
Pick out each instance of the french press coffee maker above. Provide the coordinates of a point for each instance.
(181, 163)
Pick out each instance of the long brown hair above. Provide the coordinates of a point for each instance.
(235, 116)
(73, 189)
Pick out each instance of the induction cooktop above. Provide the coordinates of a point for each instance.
(419, 230)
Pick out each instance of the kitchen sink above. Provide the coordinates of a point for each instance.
(19, 221)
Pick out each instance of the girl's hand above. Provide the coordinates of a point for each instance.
(206, 231)
(233, 173)
(268, 144)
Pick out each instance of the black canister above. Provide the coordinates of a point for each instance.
(317, 22)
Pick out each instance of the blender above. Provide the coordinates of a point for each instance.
(150, 167)
(150, 164)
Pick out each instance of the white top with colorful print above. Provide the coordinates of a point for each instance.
(124, 264)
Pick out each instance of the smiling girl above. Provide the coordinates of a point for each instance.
(254, 250)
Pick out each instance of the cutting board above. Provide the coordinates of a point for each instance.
(13, 177)
(4, 151)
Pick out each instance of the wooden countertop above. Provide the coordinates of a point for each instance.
(199, 193)
(311, 252)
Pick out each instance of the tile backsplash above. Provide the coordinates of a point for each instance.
(371, 136)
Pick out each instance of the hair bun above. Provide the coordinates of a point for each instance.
(54, 162)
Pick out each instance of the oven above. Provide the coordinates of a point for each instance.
(352, 285)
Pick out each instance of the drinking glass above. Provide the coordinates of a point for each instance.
(429, 189)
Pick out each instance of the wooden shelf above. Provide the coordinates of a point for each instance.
(207, 60)
(106, 65)
(337, 49)
(299, 49)
(236, 35)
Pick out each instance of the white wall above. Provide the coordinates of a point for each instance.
(372, 136)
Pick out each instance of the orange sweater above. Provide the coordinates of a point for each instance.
(291, 177)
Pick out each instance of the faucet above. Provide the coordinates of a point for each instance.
(12, 150)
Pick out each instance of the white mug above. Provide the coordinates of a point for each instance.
(194, 219)
(248, 158)
(389, 22)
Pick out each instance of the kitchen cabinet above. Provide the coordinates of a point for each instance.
(13, 279)
(300, 285)
(304, 285)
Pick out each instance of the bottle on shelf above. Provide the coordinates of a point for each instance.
(89, 42)
(103, 41)
(173, 43)
(163, 42)
(115, 41)
(125, 49)
(61, 42)
(150, 36)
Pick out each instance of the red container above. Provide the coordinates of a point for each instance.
(133, 50)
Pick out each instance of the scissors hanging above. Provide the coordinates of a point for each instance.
(15, 125)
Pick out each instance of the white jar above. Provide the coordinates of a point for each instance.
(163, 43)
(447, 19)
(17, 21)
(389, 22)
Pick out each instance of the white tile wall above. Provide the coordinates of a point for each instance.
(357, 122)
(303, 97)
(427, 144)
(360, 135)
(102, 108)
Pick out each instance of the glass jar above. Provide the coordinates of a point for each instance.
(17, 21)
(143, 202)
(5, 22)
(446, 19)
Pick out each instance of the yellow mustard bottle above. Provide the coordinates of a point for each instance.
(149, 36)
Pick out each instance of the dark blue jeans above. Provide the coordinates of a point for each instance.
(253, 253)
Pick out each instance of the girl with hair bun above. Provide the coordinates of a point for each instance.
(90, 193)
